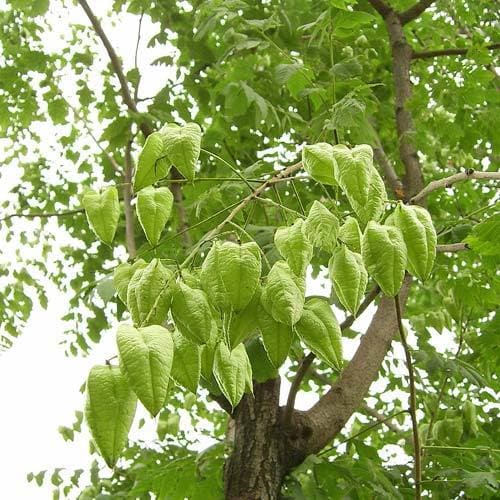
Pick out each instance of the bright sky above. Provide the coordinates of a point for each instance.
(39, 385)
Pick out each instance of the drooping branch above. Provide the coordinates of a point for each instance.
(329, 415)
(415, 11)
(429, 54)
(453, 179)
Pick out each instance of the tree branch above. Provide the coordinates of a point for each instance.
(417, 452)
(390, 174)
(43, 215)
(428, 54)
(329, 415)
(116, 64)
(453, 179)
(452, 247)
(381, 7)
(415, 11)
(306, 362)
(127, 202)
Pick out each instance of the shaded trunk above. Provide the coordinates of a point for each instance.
(257, 465)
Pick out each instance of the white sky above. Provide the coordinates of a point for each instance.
(39, 385)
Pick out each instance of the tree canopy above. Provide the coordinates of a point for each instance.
(354, 139)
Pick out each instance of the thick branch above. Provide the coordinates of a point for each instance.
(127, 202)
(328, 416)
(381, 7)
(306, 362)
(415, 11)
(453, 179)
(428, 54)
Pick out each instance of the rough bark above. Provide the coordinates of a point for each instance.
(256, 466)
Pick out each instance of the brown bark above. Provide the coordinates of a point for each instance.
(256, 467)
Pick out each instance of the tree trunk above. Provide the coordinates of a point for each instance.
(257, 465)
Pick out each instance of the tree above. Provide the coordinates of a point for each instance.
(276, 115)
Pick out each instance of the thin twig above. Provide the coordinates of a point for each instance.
(43, 215)
(452, 247)
(136, 57)
(429, 54)
(127, 202)
(413, 404)
(453, 179)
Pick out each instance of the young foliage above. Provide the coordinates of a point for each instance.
(384, 254)
(182, 146)
(146, 360)
(322, 227)
(350, 234)
(186, 368)
(103, 212)
(294, 246)
(420, 237)
(150, 166)
(123, 274)
(319, 163)
(242, 324)
(283, 294)
(320, 331)
(230, 274)
(192, 314)
(149, 294)
(154, 206)
(276, 337)
(109, 410)
(232, 371)
(349, 277)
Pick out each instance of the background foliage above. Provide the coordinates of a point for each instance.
(262, 79)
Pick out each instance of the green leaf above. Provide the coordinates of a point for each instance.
(243, 323)
(420, 237)
(319, 163)
(146, 360)
(322, 227)
(360, 181)
(109, 410)
(384, 254)
(103, 212)
(294, 246)
(485, 237)
(122, 276)
(154, 206)
(182, 146)
(149, 294)
(262, 369)
(231, 370)
(192, 314)
(283, 294)
(350, 234)
(230, 274)
(277, 337)
(149, 166)
(349, 276)
(320, 331)
(186, 368)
